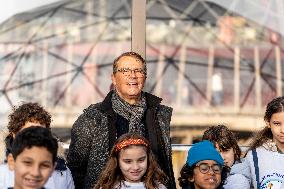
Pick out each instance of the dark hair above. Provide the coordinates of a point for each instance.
(112, 175)
(187, 172)
(34, 136)
(9, 143)
(225, 139)
(130, 54)
(274, 106)
(27, 112)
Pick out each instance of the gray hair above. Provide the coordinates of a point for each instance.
(130, 54)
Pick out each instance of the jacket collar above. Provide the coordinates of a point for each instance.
(152, 100)
(106, 105)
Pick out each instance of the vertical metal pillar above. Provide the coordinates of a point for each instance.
(138, 27)
(44, 89)
(257, 78)
(180, 85)
(159, 71)
(278, 70)
(68, 76)
(237, 79)
(209, 75)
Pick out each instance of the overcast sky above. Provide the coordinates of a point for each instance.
(12, 7)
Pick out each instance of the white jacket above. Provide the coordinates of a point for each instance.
(58, 179)
(271, 169)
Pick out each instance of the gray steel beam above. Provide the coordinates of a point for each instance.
(138, 27)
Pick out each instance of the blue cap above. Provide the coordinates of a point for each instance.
(204, 150)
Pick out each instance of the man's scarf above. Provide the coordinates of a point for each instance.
(133, 113)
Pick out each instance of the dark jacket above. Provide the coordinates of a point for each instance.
(94, 134)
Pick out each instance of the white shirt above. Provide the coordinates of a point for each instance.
(58, 179)
(136, 185)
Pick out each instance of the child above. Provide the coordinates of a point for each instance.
(24, 116)
(225, 142)
(32, 157)
(131, 165)
(204, 168)
(263, 163)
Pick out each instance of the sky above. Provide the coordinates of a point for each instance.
(13, 7)
(268, 13)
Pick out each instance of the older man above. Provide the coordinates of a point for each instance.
(125, 109)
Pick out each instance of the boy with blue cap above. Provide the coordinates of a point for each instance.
(204, 168)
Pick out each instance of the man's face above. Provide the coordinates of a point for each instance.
(129, 85)
(32, 168)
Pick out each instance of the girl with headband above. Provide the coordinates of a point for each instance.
(131, 165)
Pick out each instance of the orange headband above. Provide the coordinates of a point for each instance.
(128, 142)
